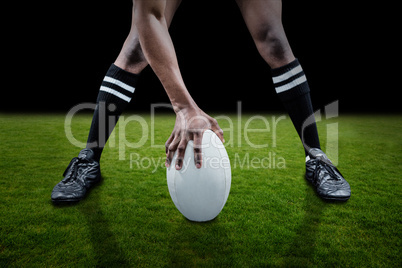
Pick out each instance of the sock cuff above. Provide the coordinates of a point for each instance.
(122, 75)
(285, 68)
(290, 81)
(118, 86)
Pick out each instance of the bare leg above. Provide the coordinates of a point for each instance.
(130, 62)
(131, 57)
(264, 21)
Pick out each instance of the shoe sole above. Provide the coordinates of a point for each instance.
(339, 199)
(76, 200)
(66, 201)
(326, 198)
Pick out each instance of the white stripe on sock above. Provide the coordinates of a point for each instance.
(119, 83)
(291, 85)
(287, 75)
(116, 93)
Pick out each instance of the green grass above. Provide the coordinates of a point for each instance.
(272, 217)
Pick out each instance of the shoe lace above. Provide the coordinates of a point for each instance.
(326, 166)
(72, 169)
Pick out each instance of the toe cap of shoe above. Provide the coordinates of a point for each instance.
(60, 196)
(336, 194)
(71, 193)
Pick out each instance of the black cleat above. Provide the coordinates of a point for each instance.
(328, 181)
(81, 174)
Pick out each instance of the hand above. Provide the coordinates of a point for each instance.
(190, 125)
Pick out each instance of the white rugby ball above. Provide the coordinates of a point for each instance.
(200, 194)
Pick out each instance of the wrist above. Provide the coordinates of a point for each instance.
(184, 106)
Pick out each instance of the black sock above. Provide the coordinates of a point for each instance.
(293, 90)
(114, 95)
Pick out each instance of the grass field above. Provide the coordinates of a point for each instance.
(272, 216)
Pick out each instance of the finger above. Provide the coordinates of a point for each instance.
(219, 132)
(170, 150)
(168, 142)
(169, 157)
(181, 148)
(198, 149)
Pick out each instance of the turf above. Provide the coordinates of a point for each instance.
(272, 217)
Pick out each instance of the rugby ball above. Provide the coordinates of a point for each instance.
(200, 194)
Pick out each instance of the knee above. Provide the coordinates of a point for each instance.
(132, 57)
(133, 51)
(272, 45)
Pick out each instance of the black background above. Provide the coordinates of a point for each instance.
(58, 52)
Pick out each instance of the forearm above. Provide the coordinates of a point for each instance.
(160, 54)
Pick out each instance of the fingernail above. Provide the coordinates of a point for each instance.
(178, 167)
(167, 164)
(198, 165)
